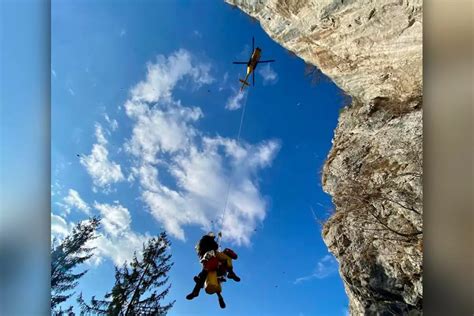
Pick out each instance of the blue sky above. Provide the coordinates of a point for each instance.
(146, 94)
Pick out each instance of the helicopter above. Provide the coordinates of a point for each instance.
(252, 63)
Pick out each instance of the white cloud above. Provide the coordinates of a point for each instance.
(103, 171)
(56, 188)
(166, 144)
(99, 134)
(71, 92)
(116, 240)
(223, 83)
(163, 75)
(325, 267)
(201, 75)
(59, 227)
(165, 128)
(235, 101)
(118, 248)
(201, 177)
(268, 74)
(73, 200)
(113, 124)
(115, 218)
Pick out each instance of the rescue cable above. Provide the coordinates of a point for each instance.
(242, 116)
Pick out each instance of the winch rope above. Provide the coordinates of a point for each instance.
(242, 116)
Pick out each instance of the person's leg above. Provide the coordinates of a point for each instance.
(194, 293)
(221, 300)
(200, 279)
(231, 275)
(230, 253)
(228, 261)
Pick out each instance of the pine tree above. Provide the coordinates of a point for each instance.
(66, 256)
(138, 288)
(61, 312)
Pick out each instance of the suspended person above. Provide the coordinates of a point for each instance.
(213, 262)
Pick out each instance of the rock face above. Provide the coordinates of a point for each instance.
(373, 51)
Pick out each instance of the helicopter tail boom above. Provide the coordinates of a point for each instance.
(244, 83)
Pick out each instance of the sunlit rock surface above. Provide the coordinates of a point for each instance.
(373, 51)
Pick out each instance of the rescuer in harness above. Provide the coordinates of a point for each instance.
(217, 265)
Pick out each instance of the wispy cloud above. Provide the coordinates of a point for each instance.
(74, 200)
(56, 188)
(325, 267)
(235, 101)
(59, 227)
(197, 167)
(223, 83)
(102, 171)
(197, 33)
(123, 32)
(71, 92)
(115, 218)
(113, 124)
(244, 54)
(53, 73)
(268, 74)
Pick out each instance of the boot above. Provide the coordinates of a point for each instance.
(195, 292)
(231, 275)
(199, 279)
(221, 300)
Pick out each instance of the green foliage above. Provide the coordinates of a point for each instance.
(61, 312)
(139, 286)
(66, 256)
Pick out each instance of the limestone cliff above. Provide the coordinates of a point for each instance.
(373, 51)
